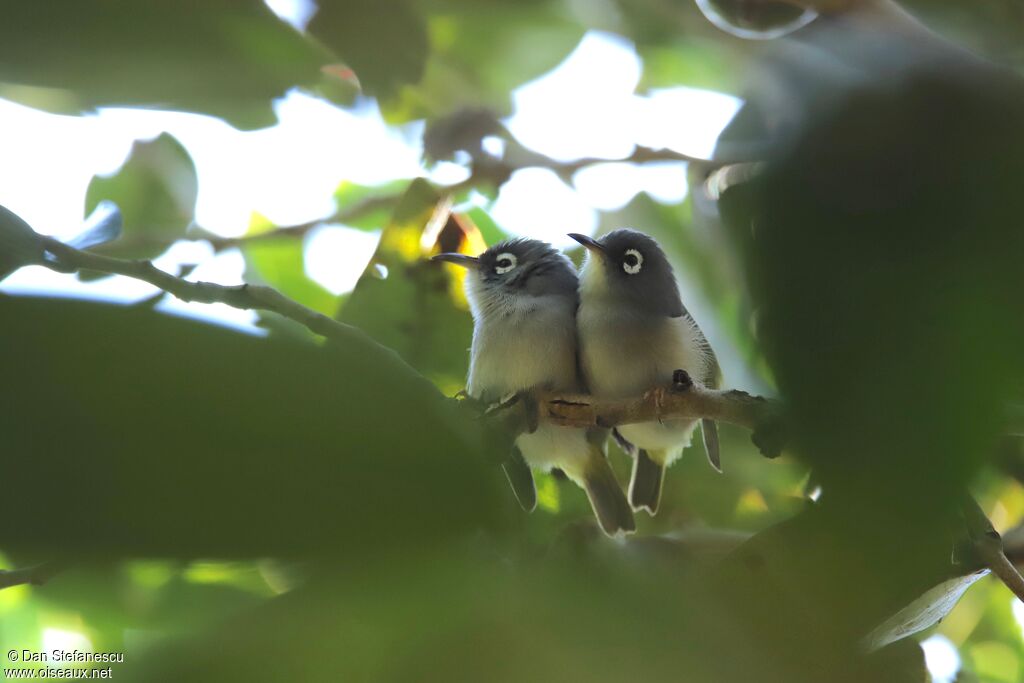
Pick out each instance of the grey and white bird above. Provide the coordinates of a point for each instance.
(634, 334)
(523, 295)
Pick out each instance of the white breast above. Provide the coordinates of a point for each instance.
(623, 355)
(533, 346)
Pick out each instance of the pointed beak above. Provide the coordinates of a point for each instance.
(589, 243)
(458, 259)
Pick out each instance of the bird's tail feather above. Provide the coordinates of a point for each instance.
(606, 497)
(645, 485)
(521, 479)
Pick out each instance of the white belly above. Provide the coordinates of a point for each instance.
(620, 360)
(551, 446)
(669, 438)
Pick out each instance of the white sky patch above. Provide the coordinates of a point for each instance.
(48, 161)
(609, 187)
(665, 182)
(40, 281)
(59, 639)
(295, 12)
(447, 173)
(941, 658)
(335, 256)
(584, 106)
(536, 203)
(1018, 613)
(687, 120)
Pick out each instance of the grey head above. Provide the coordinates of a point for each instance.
(508, 272)
(628, 268)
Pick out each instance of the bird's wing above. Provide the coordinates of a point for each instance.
(711, 378)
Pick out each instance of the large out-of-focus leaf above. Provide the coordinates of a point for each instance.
(158, 436)
(384, 41)
(455, 614)
(156, 190)
(280, 264)
(410, 304)
(481, 51)
(20, 245)
(228, 58)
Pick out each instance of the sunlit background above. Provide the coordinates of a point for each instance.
(587, 106)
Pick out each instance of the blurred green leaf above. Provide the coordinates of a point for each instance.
(280, 263)
(156, 191)
(350, 196)
(384, 41)
(481, 51)
(412, 305)
(223, 57)
(165, 437)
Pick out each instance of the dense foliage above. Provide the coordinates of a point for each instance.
(261, 508)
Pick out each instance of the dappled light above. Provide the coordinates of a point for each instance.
(384, 340)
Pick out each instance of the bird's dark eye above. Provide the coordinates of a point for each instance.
(504, 263)
(632, 261)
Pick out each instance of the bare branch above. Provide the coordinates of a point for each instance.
(246, 296)
(988, 544)
(694, 402)
(34, 576)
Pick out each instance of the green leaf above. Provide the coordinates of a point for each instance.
(924, 612)
(159, 436)
(280, 263)
(482, 51)
(20, 245)
(227, 58)
(156, 190)
(384, 41)
(418, 308)
(353, 197)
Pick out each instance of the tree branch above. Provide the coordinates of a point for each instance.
(988, 545)
(693, 402)
(245, 296)
(34, 576)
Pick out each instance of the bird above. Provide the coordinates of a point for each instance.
(634, 333)
(523, 296)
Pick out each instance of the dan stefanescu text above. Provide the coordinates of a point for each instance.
(69, 656)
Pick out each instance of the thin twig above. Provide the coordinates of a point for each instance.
(246, 296)
(34, 576)
(988, 544)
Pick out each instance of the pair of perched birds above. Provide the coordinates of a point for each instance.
(616, 330)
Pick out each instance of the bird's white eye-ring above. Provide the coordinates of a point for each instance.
(632, 261)
(504, 263)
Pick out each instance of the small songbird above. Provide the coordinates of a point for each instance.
(523, 295)
(634, 334)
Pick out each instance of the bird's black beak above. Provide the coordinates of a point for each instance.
(458, 259)
(589, 243)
